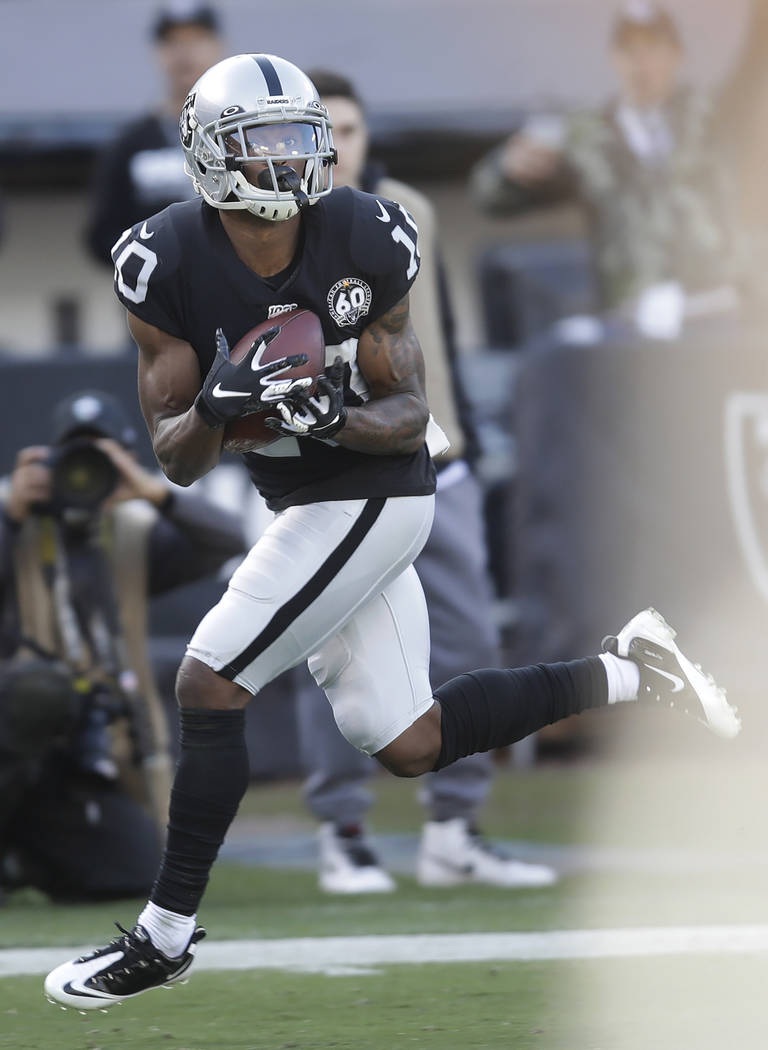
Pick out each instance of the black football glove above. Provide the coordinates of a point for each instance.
(232, 390)
(320, 416)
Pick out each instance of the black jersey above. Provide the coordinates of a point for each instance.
(358, 257)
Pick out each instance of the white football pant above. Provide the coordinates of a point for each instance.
(332, 583)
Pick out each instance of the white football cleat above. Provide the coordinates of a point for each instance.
(348, 864)
(452, 853)
(126, 967)
(669, 677)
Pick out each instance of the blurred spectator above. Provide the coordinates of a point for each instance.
(453, 571)
(142, 171)
(644, 167)
(86, 536)
(743, 121)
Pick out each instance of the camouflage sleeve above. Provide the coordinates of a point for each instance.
(588, 152)
(495, 193)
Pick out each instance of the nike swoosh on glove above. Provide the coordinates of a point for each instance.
(320, 416)
(232, 390)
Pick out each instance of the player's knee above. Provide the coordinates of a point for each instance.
(405, 763)
(363, 722)
(197, 685)
(417, 749)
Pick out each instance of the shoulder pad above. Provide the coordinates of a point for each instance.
(418, 206)
(155, 240)
(147, 258)
(384, 235)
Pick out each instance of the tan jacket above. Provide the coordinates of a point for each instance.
(426, 314)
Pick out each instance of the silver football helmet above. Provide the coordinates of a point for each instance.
(250, 109)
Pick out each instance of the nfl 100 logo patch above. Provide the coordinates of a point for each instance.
(349, 300)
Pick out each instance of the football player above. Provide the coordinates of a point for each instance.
(331, 580)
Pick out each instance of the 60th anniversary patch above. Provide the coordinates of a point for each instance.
(349, 300)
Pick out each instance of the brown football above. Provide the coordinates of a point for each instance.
(300, 333)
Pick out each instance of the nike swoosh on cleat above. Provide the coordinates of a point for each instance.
(86, 993)
(676, 680)
(451, 865)
(219, 391)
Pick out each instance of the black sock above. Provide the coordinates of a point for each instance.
(211, 778)
(492, 708)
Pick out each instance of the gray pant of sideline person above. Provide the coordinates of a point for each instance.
(453, 572)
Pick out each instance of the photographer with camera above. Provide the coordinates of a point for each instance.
(87, 535)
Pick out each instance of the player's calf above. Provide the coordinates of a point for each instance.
(491, 708)
(486, 709)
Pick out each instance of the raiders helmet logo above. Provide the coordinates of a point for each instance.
(746, 459)
(187, 121)
(349, 300)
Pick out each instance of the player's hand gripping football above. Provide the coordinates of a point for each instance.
(320, 416)
(231, 390)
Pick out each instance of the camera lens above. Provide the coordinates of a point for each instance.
(82, 476)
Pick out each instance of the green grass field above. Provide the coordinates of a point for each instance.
(690, 1003)
(695, 1002)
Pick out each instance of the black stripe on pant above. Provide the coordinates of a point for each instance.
(300, 602)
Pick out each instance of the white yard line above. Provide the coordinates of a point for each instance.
(345, 955)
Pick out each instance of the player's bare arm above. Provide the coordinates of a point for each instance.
(394, 421)
(169, 381)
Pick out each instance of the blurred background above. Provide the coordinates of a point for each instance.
(597, 174)
(623, 447)
(443, 82)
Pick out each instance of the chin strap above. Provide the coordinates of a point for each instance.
(288, 181)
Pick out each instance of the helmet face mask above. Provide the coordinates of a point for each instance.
(243, 143)
(262, 153)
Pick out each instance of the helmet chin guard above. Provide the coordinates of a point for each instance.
(257, 138)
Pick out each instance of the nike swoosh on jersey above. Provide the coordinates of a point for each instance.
(384, 217)
(675, 679)
(144, 233)
(219, 391)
